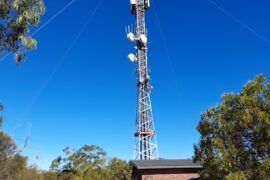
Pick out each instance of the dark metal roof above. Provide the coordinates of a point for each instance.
(165, 164)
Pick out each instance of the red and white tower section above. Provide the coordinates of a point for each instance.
(145, 147)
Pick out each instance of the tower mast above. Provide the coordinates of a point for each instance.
(145, 147)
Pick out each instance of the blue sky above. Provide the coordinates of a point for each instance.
(74, 91)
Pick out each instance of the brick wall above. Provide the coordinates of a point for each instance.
(165, 174)
(170, 176)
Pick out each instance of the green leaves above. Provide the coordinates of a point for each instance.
(28, 42)
(16, 19)
(236, 176)
(235, 138)
(90, 162)
(10, 161)
(119, 169)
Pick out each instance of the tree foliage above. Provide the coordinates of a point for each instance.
(235, 135)
(13, 166)
(10, 161)
(90, 162)
(119, 169)
(16, 19)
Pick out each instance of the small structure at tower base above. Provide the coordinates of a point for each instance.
(183, 169)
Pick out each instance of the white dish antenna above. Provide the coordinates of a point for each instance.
(132, 58)
(133, 2)
(131, 37)
(143, 39)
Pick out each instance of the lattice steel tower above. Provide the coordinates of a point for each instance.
(145, 147)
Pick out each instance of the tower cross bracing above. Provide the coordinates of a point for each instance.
(145, 147)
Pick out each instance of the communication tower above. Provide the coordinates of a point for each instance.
(145, 147)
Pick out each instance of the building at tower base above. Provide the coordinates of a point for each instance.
(165, 170)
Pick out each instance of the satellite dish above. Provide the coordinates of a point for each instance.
(131, 37)
(132, 58)
(133, 2)
(143, 39)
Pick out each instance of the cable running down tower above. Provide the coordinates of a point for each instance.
(145, 147)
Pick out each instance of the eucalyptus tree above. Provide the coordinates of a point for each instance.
(235, 135)
(17, 18)
(90, 162)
